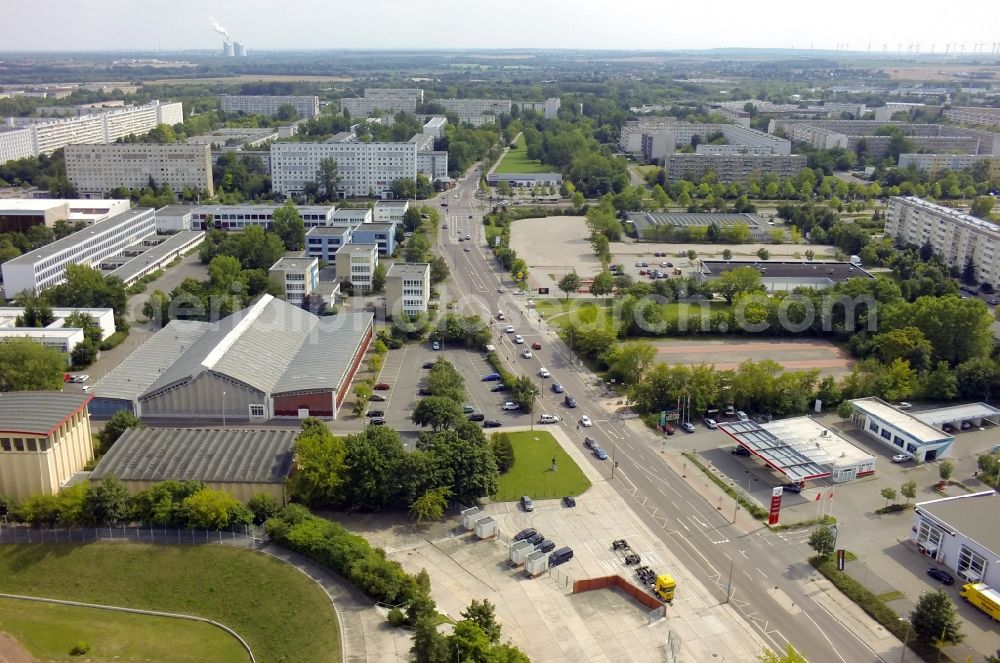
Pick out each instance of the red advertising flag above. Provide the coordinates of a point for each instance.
(831, 494)
(818, 495)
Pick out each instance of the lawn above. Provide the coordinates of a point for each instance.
(282, 614)
(533, 454)
(517, 161)
(50, 631)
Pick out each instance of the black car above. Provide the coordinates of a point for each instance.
(424, 391)
(429, 364)
(376, 413)
(492, 423)
(740, 451)
(940, 576)
(589, 442)
(477, 416)
(569, 501)
(535, 538)
(545, 545)
(792, 487)
(499, 387)
(377, 421)
(378, 398)
(525, 533)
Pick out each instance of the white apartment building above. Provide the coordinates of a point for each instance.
(435, 126)
(407, 288)
(365, 169)
(466, 107)
(298, 277)
(268, 105)
(659, 139)
(987, 117)
(46, 266)
(96, 169)
(430, 162)
(394, 93)
(934, 163)
(240, 217)
(47, 136)
(732, 168)
(362, 107)
(56, 334)
(19, 214)
(356, 263)
(548, 108)
(956, 236)
(390, 211)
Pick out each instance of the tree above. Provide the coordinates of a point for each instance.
(524, 391)
(263, 506)
(503, 451)
(604, 283)
(85, 353)
(763, 253)
(889, 494)
(431, 505)
(328, 179)
(945, 470)
(569, 283)
(86, 287)
(372, 459)
(982, 206)
(735, 282)
(934, 619)
(727, 254)
(428, 643)
(628, 362)
(438, 412)
(791, 655)
(483, 614)
(908, 490)
(822, 541)
(27, 365)
(411, 219)
(85, 321)
(439, 269)
(378, 277)
(210, 509)
(319, 465)
(362, 392)
(108, 503)
(288, 225)
(37, 312)
(116, 426)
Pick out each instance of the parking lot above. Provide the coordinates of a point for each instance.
(542, 615)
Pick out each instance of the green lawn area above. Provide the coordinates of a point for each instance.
(672, 310)
(282, 614)
(50, 631)
(555, 310)
(517, 161)
(533, 454)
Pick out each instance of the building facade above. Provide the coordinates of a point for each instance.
(390, 211)
(957, 532)
(46, 266)
(45, 439)
(900, 432)
(732, 168)
(525, 179)
(19, 214)
(435, 126)
(298, 277)
(955, 236)
(382, 235)
(355, 264)
(365, 169)
(268, 105)
(935, 163)
(240, 217)
(407, 288)
(95, 170)
(324, 242)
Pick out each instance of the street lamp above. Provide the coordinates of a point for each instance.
(223, 409)
(906, 638)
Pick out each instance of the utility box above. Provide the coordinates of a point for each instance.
(486, 528)
(470, 516)
(536, 564)
(519, 551)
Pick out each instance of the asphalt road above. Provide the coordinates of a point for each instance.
(769, 574)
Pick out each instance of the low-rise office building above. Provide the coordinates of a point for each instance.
(899, 431)
(787, 275)
(407, 288)
(240, 217)
(382, 235)
(355, 264)
(305, 106)
(323, 242)
(19, 214)
(96, 169)
(46, 266)
(57, 334)
(646, 223)
(365, 169)
(45, 439)
(298, 277)
(390, 211)
(960, 533)
(241, 462)
(352, 216)
(156, 253)
(529, 180)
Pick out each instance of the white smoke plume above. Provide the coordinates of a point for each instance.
(218, 28)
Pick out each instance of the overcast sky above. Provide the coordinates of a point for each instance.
(405, 24)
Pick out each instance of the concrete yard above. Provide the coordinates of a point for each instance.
(729, 353)
(554, 245)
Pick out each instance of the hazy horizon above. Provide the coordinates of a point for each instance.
(117, 25)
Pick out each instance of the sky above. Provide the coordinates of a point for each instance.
(422, 24)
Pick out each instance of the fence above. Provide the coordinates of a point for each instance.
(251, 536)
(655, 605)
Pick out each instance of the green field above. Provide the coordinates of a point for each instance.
(50, 631)
(557, 311)
(281, 613)
(517, 161)
(533, 454)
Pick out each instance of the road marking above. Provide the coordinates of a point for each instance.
(764, 575)
(661, 492)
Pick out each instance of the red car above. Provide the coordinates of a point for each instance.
(536, 346)
(383, 386)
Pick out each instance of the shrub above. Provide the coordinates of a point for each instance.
(114, 340)
(397, 617)
(80, 648)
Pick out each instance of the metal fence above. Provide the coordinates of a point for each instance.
(250, 536)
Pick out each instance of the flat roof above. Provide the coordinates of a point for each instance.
(38, 412)
(198, 454)
(335, 231)
(239, 209)
(392, 203)
(817, 441)
(357, 248)
(375, 227)
(157, 254)
(296, 263)
(402, 268)
(834, 271)
(176, 210)
(782, 455)
(71, 241)
(689, 219)
(901, 420)
(974, 515)
(17, 205)
(953, 413)
(351, 212)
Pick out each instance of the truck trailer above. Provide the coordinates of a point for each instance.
(983, 597)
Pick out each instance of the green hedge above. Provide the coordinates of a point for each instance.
(114, 340)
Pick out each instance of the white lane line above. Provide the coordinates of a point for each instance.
(661, 492)
(764, 575)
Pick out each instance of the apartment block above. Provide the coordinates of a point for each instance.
(435, 126)
(849, 134)
(395, 93)
(657, 140)
(987, 117)
(548, 108)
(935, 163)
(407, 288)
(323, 242)
(956, 236)
(365, 169)
(269, 105)
(46, 266)
(383, 235)
(19, 214)
(732, 168)
(431, 163)
(362, 107)
(96, 169)
(240, 217)
(16, 143)
(466, 107)
(356, 265)
(298, 277)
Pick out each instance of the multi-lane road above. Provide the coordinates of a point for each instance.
(765, 574)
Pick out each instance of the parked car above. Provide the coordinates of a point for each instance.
(492, 423)
(511, 405)
(491, 377)
(535, 538)
(557, 388)
(536, 346)
(375, 413)
(435, 346)
(377, 421)
(467, 408)
(560, 556)
(569, 502)
(467, 250)
(526, 532)
(429, 364)
(570, 401)
(526, 353)
(600, 453)
(425, 391)
(903, 405)
(477, 416)
(687, 427)
(545, 545)
(86, 388)
(941, 576)
(740, 451)
(586, 422)
(81, 378)
(500, 289)
(548, 419)
(544, 372)
(383, 386)
(377, 398)
(792, 487)
(589, 442)
(710, 423)
(900, 458)
(500, 386)
(528, 505)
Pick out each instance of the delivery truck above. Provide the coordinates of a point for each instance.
(983, 597)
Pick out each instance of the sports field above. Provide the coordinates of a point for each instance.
(517, 161)
(731, 352)
(532, 474)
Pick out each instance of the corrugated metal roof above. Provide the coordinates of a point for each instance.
(970, 515)
(38, 412)
(150, 360)
(325, 355)
(779, 454)
(197, 454)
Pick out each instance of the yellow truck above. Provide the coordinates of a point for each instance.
(665, 585)
(983, 597)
